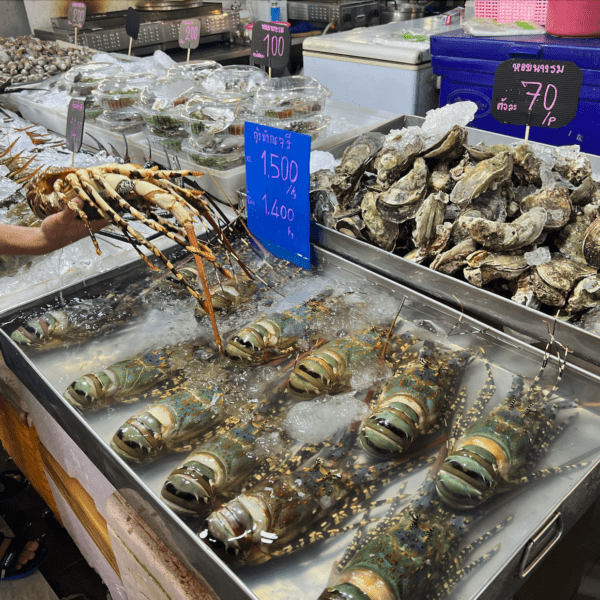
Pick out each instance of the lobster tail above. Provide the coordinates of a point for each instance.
(468, 477)
(343, 591)
(390, 431)
(138, 439)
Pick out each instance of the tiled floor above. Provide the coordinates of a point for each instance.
(65, 573)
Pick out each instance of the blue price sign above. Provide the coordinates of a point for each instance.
(277, 182)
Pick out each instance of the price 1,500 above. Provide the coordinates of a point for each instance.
(276, 167)
(279, 212)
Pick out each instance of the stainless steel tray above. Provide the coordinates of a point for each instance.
(304, 575)
(496, 310)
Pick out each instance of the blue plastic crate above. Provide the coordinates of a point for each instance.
(467, 65)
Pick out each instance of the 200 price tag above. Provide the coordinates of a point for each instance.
(75, 122)
(277, 183)
(189, 33)
(76, 14)
(271, 43)
(540, 93)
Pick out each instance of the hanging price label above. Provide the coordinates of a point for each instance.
(277, 182)
(271, 44)
(132, 23)
(189, 33)
(540, 93)
(75, 121)
(76, 14)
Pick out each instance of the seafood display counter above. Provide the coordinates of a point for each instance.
(480, 301)
(358, 314)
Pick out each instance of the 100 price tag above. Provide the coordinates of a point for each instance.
(277, 183)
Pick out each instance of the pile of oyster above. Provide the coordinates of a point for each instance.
(522, 221)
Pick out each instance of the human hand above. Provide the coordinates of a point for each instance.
(66, 227)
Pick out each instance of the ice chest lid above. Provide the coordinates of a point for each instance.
(584, 52)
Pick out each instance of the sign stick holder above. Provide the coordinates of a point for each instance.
(188, 55)
(130, 44)
(76, 36)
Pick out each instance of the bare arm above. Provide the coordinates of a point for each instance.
(56, 231)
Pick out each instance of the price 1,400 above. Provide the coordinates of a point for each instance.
(280, 212)
(279, 167)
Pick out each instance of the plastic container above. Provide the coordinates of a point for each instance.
(290, 97)
(235, 82)
(206, 116)
(81, 81)
(467, 66)
(507, 11)
(198, 71)
(116, 93)
(161, 102)
(573, 18)
(92, 111)
(125, 121)
(209, 156)
(314, 125)
(165, 140)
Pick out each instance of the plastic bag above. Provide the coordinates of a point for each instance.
(491, 28)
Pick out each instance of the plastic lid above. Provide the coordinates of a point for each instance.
(167, 93)
(198, 71)
(124, 85)
(235, 81)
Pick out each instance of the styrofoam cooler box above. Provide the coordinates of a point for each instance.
(467, 64)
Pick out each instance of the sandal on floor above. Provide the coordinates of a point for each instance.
(9, 562)
(12, 483)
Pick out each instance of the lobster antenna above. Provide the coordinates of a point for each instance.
(387, 339)
(462, 314)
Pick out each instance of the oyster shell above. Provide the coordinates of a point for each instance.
(401, 202)
(440, 180)
(428, 217)
(553, 280)
(586, 294)
(481, 152)
(461, 169)
(439, 243)
(492, 205)
(590, 321)
(382, 232)
(450, 146)
(569, 240)
(508, 236)
(525, 293)
(323, 202)
(484, 267)
(391, 163)
(591, 243)
(526, 165)
(354, 163)
(555, 201)
(452, 260)
(584, 194)
(351, 226)
(572, 164)
(477, 181)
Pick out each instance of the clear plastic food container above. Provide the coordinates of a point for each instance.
(116, 93)
(235, 81)
(198, 71)
(161, 101)
(290, 97)
(92, 111)
(206, 116)
(163, 139)
(314, 125)
(128, 120)
(221, 155)
(82, 80)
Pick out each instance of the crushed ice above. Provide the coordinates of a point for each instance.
(538, 257)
